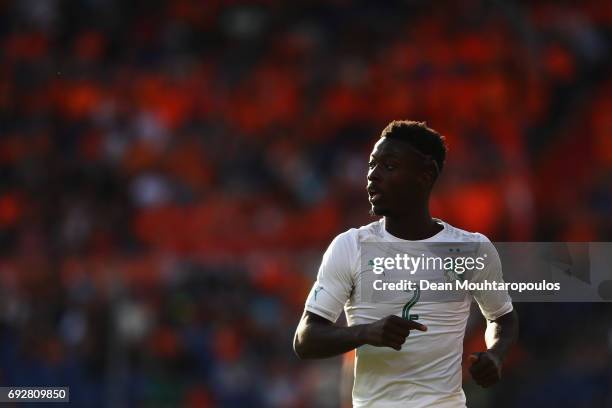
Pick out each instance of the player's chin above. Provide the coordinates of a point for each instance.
(378, 210)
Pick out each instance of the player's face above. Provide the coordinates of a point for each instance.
(394, 178)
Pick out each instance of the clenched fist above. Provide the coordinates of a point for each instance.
(485, 368)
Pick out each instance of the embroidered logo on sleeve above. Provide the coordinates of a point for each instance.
(316, 291)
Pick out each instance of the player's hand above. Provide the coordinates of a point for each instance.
(390, 331)
(485, 368)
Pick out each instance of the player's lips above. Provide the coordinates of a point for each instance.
(374, 193)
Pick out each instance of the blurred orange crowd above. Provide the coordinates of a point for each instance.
(137, 138)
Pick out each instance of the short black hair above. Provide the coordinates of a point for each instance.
(420, 137)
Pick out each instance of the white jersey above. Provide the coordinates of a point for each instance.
(426, 372)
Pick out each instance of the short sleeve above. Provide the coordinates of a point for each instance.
(335, 279)
(492, 303)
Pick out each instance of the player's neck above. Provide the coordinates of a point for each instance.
(413, 226)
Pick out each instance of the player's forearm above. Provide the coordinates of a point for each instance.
(322, 341)
(501, 334)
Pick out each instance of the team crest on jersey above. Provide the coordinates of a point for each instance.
(450, 275)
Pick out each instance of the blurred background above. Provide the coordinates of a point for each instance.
(172, 171)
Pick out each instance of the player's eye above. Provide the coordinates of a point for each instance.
(371, 164)
(389, 167)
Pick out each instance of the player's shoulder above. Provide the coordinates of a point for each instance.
(374, 231)
(456, 234)
(345, 247)
(353, 236)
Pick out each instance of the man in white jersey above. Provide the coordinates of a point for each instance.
(392, 369)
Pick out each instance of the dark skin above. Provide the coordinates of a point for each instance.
(400, 180)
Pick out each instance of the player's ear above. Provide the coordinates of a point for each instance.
(427, 177)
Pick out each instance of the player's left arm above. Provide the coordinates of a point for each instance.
(501, 334)
(502, 320)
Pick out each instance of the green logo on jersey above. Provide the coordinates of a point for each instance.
(406, 310)
(450, 275)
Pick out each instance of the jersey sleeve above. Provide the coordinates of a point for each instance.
(492, 303)
(335, 278)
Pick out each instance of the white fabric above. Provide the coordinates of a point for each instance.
(426, 372)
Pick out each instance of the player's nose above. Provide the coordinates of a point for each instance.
(373, 174)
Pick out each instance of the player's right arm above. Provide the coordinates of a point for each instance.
(317, 337)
